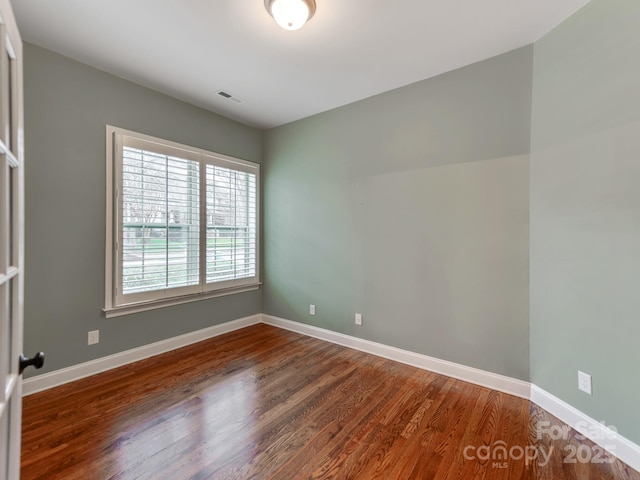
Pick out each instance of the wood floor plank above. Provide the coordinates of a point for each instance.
(264, 403)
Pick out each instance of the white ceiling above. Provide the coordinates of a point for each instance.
(350, 50)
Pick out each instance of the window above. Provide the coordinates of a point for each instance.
(182, 223)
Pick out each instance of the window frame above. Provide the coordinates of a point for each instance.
(117, 304)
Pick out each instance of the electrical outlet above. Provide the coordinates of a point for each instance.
(94, 337)
(358, 319)
(584, 382)
(312, 309)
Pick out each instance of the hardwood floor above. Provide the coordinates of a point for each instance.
(264, 403)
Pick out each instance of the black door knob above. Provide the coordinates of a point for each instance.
(36, 361)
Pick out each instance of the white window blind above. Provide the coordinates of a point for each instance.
(184, 221)
(160, 221)
(231, 224)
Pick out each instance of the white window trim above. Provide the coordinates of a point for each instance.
(205, 291)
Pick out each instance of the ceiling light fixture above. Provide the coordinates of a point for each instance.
(291, 14)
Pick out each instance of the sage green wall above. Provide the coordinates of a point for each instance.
(585, 212)
(411, 208)
(67, 105)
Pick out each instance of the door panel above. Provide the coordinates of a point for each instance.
(11, 241)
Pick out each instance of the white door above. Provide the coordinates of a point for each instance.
(11, 241)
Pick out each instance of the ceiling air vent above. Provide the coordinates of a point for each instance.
(229, 97)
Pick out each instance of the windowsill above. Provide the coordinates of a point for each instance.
(168, 302)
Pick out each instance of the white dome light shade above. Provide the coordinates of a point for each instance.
(291, 14)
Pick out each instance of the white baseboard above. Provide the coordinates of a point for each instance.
(483, 378)
(611, 441)
(82, 370)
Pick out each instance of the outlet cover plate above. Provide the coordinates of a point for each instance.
(93, 337)
(584, 382)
